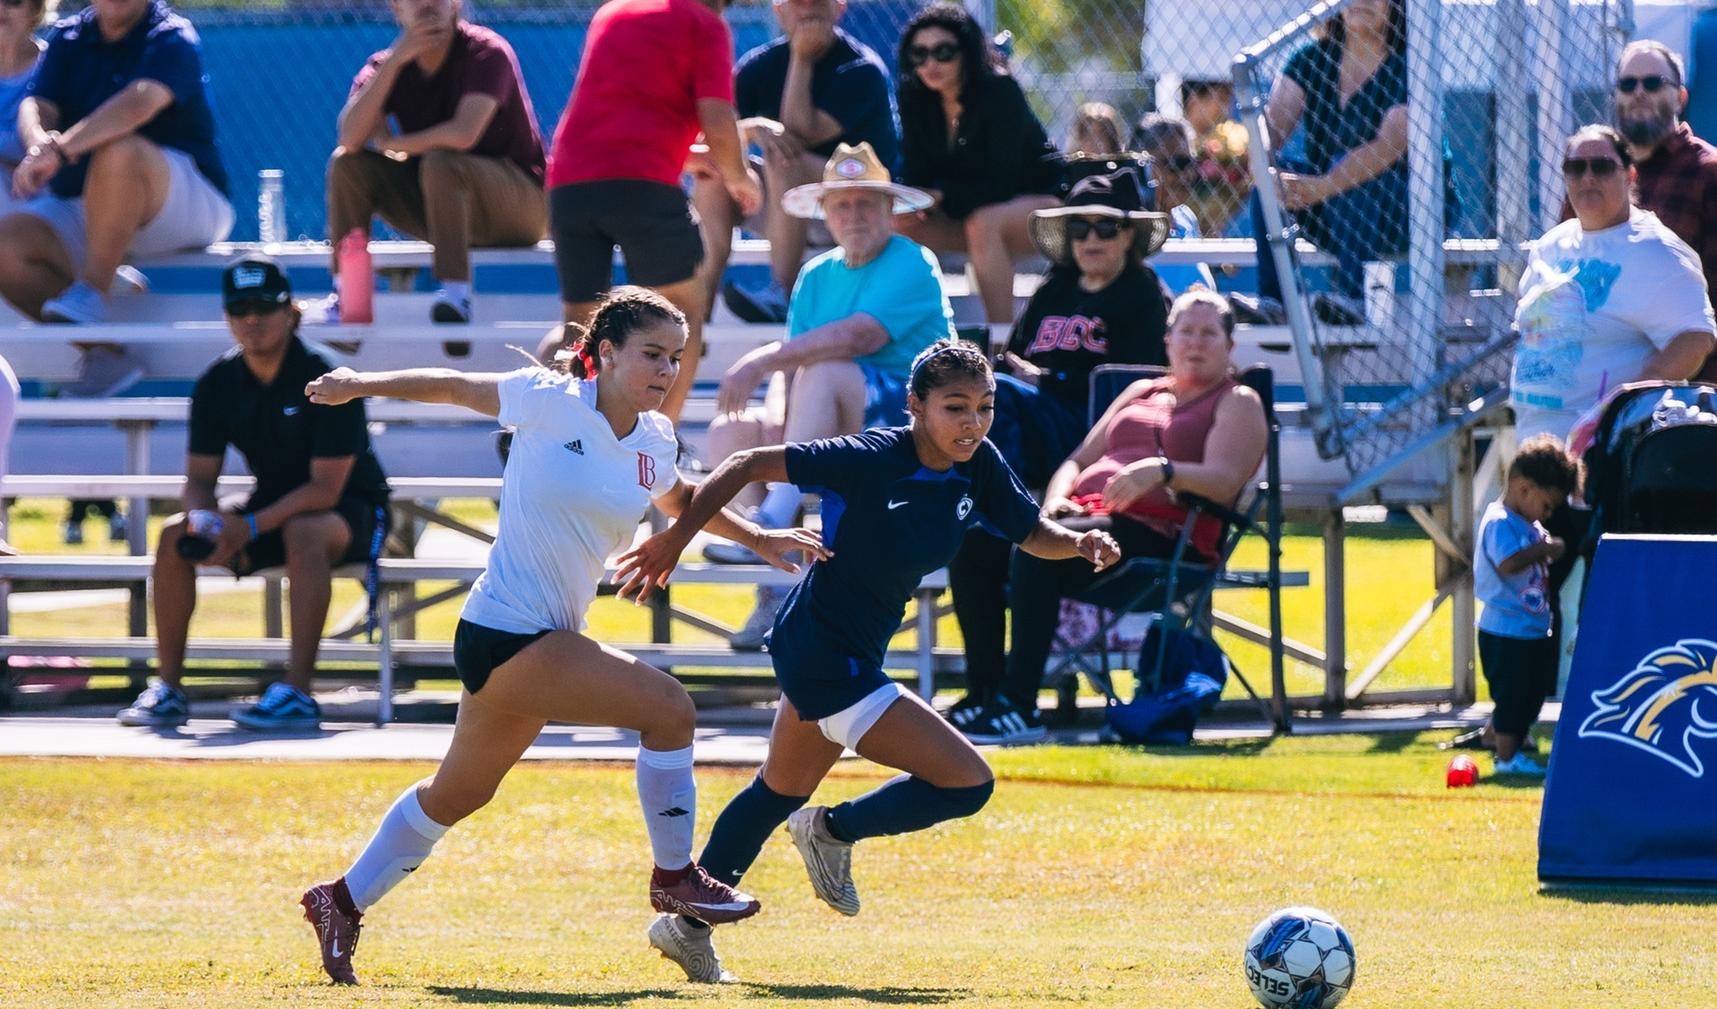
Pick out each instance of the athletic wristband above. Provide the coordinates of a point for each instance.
(1168, 470)
(250, 520)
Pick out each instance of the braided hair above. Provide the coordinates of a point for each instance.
(620, 313)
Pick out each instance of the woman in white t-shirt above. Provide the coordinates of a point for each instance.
(1609, 297)
(588, 457)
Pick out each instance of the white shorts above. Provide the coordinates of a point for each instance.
(848, 725)
(196, 214)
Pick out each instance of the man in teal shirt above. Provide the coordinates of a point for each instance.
(858, 316)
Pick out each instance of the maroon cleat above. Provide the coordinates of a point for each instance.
(336, 928)
(696, 894)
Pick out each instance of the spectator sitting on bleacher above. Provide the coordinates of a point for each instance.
(1097, 129)
(1348, 92)
(798, 97)
(120, 157)
(466, 168)
(1196, 429)
(1098, 304)
(654, 73)
(969, 139)
(1168, 140)
(860, 313)
(320, 499)
(20, 51)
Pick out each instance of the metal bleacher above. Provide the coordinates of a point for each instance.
(133, 446)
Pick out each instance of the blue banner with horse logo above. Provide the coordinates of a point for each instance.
(1632, 793)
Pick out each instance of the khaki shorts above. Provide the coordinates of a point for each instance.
(195, 215)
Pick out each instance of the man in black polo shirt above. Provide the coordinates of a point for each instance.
(320, 499)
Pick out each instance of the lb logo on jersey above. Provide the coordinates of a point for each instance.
(963, 509)
(646, 471)
(1663, 706)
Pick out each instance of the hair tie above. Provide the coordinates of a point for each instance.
(912, 379)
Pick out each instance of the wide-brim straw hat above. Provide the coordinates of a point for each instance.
(852, 168)
(1120, 195)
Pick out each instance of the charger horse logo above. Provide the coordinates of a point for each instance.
(1662, 705)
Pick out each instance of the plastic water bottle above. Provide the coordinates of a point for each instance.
(1380, 294)
(271, 206)
(357, 279)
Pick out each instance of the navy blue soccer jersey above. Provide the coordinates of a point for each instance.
(889, 521)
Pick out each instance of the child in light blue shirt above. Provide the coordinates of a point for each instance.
(1511, 576)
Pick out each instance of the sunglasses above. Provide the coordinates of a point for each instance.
(250, 306)
(1651, 84)
(1105, 228)
(1601, 168)
(942, 52)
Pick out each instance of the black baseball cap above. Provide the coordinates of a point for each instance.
(254, 279)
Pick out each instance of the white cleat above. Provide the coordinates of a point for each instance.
(828, 862)
(689, 947)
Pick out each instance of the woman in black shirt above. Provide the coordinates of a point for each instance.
(969, 139)
(1098, 304)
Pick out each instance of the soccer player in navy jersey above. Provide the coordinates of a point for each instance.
(896, 505)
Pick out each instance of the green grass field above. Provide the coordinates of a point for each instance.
(1097, 877)
(1389, 577)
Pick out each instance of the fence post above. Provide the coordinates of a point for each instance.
(1425, 189)
(1512, 140)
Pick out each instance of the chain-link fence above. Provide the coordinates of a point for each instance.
(1399, 284)
(1397, 200)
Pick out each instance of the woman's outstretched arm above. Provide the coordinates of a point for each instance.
(479, 392)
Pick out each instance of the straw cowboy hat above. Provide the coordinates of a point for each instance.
(852, 168)
(1119, 195)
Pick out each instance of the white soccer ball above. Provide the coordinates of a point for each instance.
(1299, 958)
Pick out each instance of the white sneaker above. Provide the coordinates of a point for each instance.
(104, 371)
(828, 862)
(757, 626)
(78, 305)
(690, 947)
(1519, 764)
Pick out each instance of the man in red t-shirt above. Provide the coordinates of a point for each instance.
(655, 73)
(466, 168)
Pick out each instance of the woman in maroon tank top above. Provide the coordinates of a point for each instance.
(1195, 429)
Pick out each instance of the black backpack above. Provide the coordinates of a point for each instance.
(1652, 465)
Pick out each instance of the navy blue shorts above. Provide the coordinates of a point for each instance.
(478, 651)
(817, 679)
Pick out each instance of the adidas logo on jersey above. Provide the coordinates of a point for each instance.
(575, 446)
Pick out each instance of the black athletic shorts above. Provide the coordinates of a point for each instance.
(367, 519)
(478, 650)
(653, 224)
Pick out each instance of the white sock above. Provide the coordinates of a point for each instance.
(458, 290)
(669, 795)
(405, 838)
(780, 506)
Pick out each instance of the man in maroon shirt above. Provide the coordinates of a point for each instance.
(1677, 170)
(466, 168)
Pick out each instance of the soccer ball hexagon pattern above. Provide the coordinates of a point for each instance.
(1299, 958)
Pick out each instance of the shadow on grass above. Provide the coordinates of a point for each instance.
(1704, 896)
(1396, 742)
(496, 996)
(879, 996)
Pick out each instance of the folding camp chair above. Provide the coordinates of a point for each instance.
(1177, 589)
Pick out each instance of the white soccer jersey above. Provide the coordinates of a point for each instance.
(572, 494)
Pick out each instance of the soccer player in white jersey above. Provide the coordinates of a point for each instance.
(588, 457)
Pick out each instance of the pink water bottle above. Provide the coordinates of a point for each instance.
(357, 279)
